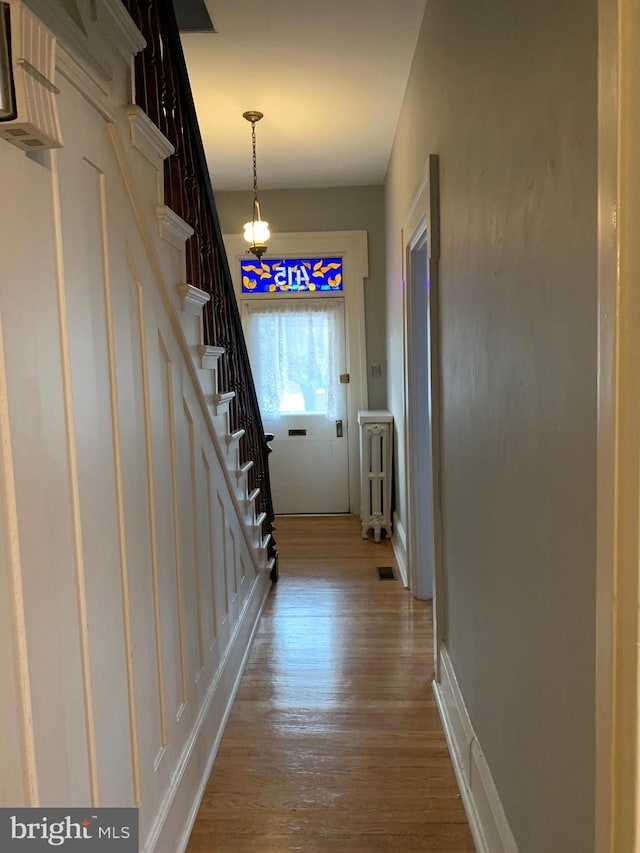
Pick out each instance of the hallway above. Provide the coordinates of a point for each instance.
(334, 741)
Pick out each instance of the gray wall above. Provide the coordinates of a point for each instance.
(505, 92)
(331, 209)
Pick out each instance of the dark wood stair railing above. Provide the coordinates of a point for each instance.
(163, 91)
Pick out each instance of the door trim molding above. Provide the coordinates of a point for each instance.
(618, 450)
(422, 222)
(352, 246)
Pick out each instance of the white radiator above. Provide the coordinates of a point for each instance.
(376, 437)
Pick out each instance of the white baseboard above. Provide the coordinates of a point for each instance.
(487, 820)
(177, 816)
(399, 542)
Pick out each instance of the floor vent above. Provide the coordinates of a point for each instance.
(385, 573)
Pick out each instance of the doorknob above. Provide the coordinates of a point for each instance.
(339, 429)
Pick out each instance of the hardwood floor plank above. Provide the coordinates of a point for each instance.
(334, 742)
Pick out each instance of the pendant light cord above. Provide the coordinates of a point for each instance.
(255, 172)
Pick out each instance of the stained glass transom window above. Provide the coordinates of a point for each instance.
(284, 275)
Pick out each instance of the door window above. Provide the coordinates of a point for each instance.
(296, 350)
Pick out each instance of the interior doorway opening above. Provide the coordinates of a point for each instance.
(421, 254)
(419, 416)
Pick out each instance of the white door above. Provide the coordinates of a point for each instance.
(297, 351)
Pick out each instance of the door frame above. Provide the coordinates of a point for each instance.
(352, 247)
(617, 699)
(422, 224)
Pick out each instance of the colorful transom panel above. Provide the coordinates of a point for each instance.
(291, 275)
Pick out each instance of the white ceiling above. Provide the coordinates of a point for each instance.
(328, 76)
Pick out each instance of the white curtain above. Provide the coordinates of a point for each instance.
(297, 350)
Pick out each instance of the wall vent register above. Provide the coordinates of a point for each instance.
(385, 573)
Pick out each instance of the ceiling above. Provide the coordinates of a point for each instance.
(328, 76)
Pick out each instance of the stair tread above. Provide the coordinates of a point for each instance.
(204, 349)
(246, 467)
(254, 494)
(235, 436)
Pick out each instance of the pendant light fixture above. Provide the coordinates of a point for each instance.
(256, 232)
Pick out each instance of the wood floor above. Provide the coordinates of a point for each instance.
(334, 742)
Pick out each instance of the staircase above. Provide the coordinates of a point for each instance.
(136, 522)
(163, 92)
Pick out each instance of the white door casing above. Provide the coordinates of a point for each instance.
(352, 246)
(617, 789)
(420, 241)
(420, 540)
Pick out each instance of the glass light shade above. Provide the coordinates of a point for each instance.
(257, 232)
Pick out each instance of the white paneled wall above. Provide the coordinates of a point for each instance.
(129, 589)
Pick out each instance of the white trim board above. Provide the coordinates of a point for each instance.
(617, 808)
(352, 246)
(421, 399)
(487, 820)
(399, 542)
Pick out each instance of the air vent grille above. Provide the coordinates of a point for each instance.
(386, 573)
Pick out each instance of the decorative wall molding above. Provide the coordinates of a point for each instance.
(116, 24)
(146, 138)
(171, 831)
(221, 402)
(209, 356)
(74, 486)
(85, 83)
(110, 330)
(151, 506)
(172, 227)
(487, 820)
(17, 622)
(152, 250)
(193, 299)
(72, 38)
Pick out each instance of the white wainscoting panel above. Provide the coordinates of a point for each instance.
(18, 781)
(487, 820)
(129, 586)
